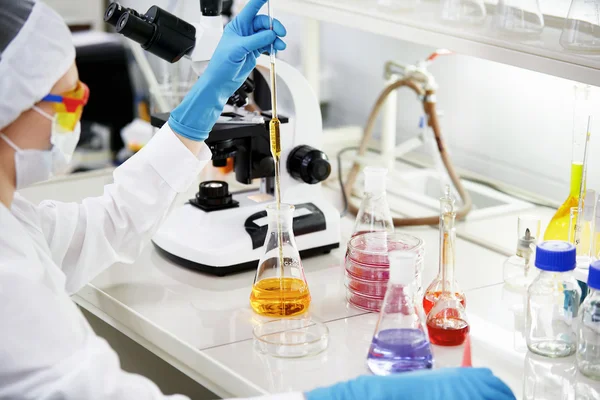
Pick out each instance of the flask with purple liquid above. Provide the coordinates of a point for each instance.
(400, 343)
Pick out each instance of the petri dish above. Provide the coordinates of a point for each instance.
(366, 256)
(291, 337)
(363, 302)
(366, 287)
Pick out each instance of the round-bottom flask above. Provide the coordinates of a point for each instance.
(447, 321)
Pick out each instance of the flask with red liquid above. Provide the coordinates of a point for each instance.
(374, 214)
(444, 302)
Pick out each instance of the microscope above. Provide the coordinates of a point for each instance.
(219, 232)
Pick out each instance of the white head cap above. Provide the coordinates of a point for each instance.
(402, 267)
(375, 179)
(36, 50)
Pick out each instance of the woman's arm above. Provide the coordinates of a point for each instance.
(87, 238)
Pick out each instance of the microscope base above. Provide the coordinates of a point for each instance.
(233, 269)
(229, 241)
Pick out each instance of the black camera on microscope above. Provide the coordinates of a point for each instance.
(158, 31)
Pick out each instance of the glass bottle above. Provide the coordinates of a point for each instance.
(518, 271)
(400, 342)
(558, 228)
(280, 288)
(398, 5)
(581, 32)
(553, 301)
(588, 343)
(447, 321)
(519, 18)
(374, 214)
(445, 278)
(463, 11)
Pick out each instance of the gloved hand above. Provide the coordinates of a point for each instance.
(439, 384)
(244, 39)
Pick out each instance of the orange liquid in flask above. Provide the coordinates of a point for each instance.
(275, 297)
(431, 297)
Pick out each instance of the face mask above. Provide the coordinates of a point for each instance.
(33, 166)
(64, 141)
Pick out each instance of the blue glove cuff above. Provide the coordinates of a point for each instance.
(186, 131)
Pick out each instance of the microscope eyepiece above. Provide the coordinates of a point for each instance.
(135, 28)
(158, 31)
(114, 12)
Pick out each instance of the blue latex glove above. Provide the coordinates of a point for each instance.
(244, 39)
(439, 384)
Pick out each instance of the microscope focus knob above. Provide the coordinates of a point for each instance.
(266, 167)
(308, 164)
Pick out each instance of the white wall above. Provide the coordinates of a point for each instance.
(504, 122)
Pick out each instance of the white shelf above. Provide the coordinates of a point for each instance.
(423, 26)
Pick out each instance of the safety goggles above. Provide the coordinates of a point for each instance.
(69, 106)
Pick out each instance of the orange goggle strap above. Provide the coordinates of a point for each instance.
(73, 99)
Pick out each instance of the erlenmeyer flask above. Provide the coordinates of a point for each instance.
(521, 18)
(280, 288)
(467, 11)
(400, 342)
(581, 32)
(445, 278)
(374, 214)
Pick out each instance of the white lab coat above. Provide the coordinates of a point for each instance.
(49, 251)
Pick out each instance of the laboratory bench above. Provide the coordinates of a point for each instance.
(202, 325)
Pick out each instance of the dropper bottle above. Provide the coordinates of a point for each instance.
(374, 214)
(519, 271)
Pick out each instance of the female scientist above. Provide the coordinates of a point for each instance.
(51, 250)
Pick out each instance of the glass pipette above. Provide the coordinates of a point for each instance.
(274, 123)
(275, 142)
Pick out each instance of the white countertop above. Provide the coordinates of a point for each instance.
(203, 324)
